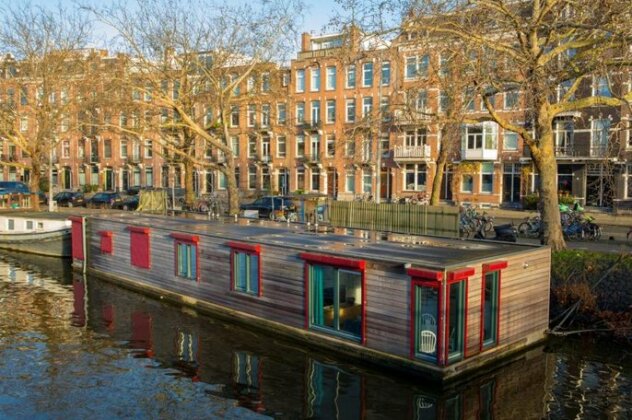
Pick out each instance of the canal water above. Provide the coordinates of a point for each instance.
(83, 348)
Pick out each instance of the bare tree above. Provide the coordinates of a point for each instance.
(538, 49)
(192, 61)
(44, 56)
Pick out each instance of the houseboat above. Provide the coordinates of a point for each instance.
(430, 306)
(34, 234)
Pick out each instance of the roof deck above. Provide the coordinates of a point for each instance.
(425, 251)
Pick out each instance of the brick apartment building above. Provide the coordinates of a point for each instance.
(338, 124)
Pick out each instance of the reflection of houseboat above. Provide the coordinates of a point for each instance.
(440, 307)
(35, 235)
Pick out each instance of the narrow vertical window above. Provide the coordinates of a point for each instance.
(245, 268)
(490, 308)
(186, 256)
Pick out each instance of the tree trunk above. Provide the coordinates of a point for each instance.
(34, 186)
(231, 185)
(189, 197)
(547, 167)
(438, 178)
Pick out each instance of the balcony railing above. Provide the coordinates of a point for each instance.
(479, 154)
(412, 152)
(582, 151)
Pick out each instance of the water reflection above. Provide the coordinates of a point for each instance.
(95, 342)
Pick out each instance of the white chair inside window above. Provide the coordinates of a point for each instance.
(428, 322)
(427, 341)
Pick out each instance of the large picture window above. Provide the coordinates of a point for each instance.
(246, 268)
(335, 288)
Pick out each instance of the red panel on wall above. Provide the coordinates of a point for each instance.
(77, 238)
(139, 247)
(106, 241)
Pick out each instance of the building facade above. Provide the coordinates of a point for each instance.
(348, 118)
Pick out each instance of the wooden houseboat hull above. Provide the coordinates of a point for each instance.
(426, 306)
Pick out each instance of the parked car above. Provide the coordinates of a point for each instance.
(14, 187)
(69, 199)
(104, 200)
(267, 206)
(129, 203)
(43, 198)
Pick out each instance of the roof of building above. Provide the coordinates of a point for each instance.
(386, 248)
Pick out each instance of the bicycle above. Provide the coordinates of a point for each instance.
(531, 227)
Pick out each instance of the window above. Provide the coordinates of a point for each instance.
(265, 115)
(480, 136)
(24, 124)
(252, 147)
(107, 149)
(234, 145)
(245, 268)
(444, 101)
(367, 180)
(415, 138)
(511, 100)
(250, 84)
(331, 111)
(186, 256)
(367, 74)
(336, 297)
(149, 177)
(300, 146)
(350, 148)
(281, 147)
(139, 247)
(350, 181)
(315, 179)
(331, 145)
(468, 99)
(600, 135)
(315, 79)
(24, 96)
(351, 77)
(487, 177)
(490, 302)
(386, 73)
(467, 183)
(148, 147)
(252, 177)
(300, 80)
(300, 178)
(314, 147)
(415, 177)
(65, 149)
(281, 114)
(315, 105)
(65, 123)
(367, 106)
(251, 116)
(417, 66)
(602, 87)
(510, 141)
(234, 116)
(331, 78)
(350, 110)
(300, 112)
(265, 82)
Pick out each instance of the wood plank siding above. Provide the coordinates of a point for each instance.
(524, 291)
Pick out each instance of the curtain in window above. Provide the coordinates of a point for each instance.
(240, 271)
(317, 280)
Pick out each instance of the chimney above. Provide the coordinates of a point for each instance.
(306, 41)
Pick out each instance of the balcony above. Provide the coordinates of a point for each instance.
(412, 152)
(579, 151)
(479, 154)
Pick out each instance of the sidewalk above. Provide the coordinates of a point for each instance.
(613, 226)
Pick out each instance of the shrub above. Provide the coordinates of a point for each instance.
(530, 202)
(567, 199)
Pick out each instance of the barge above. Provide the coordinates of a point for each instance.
(35, 234)
(430, 306)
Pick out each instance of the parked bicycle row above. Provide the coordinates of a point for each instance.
(575, 225)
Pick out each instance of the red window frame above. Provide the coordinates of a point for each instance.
(492, 267)
(181, 238)
(139, 240)
(456, 276)
(77, 237)
(337, 262)
(433, 279)
(106, 245)
(252, 249)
